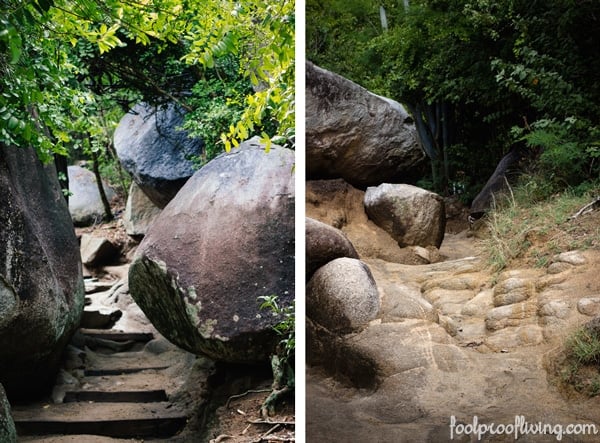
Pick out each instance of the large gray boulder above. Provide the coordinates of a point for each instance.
(41, 284)
(85, 204)
(325, 243)
(153, 149)
(226, 239)
(356, 135)
(8, 433)
(342, 296)
(411, 215)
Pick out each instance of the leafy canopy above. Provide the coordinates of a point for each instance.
(499, 73)
(45, 89)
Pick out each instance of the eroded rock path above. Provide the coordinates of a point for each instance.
(453, 339)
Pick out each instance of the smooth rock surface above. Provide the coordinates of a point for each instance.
(85, 204)
(225, 240)
(411, 215)
(342, 295)
(41, 284)
(323, 244)
(97, 251)
(356, 135)
(155, 152)
(140, 212)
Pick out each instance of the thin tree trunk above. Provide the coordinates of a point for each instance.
(423, 131)
(108, 215)
(122, 182)
(60, 162)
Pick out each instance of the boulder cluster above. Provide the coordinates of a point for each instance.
(362, 154)
(214, 241)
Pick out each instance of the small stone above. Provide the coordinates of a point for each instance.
(572, 257)
(422, 253)
(558, 267)
(449, 324)
(556, 308)
(589, 306)
(97, 251)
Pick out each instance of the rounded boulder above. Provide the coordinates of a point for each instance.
(356, 135)
(225, 240)
(323, 244)
(342, 296)
(411, 215)
(155, 151)
(85, 203)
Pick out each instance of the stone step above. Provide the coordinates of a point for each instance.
(127, 382)
(121, 420)
(148, 396)
(111, 334)
(120, 371)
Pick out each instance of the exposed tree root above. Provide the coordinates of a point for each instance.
(283, 384)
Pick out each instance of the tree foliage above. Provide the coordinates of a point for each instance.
(476, 74)
(65, 63)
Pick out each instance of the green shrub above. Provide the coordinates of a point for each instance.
(580, 368)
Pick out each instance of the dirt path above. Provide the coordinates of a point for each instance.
(453, 339)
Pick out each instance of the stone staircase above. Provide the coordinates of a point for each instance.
(113, 383)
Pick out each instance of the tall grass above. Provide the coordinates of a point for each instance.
(520, 226)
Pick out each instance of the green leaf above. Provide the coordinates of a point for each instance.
(13, 122)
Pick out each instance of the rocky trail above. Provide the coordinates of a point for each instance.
(119, 377)
(121, 380)
(454, 339)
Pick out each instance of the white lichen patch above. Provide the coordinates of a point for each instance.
(193, 312)
(206, 328)
(221, 338)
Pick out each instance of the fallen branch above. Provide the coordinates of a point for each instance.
(275, 438)
(250, 391)
(586, 209)
(271, 422)
(220, 438)
(268, 437)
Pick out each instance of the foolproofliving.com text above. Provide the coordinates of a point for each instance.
(520, 427)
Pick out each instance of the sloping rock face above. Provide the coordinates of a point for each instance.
(155, 152)
(226, 239)
(85, 204)
(8, 433)
(41, 284)
(140, 212)
(325, 243)
(356, 135)
(411, 215)
(451, 339)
